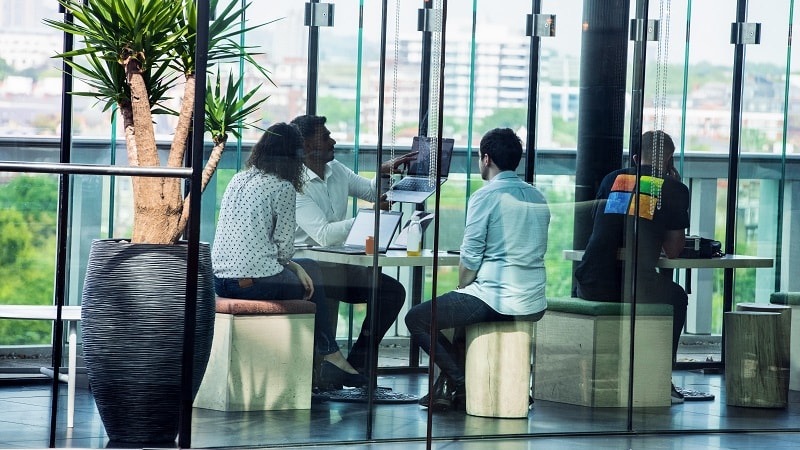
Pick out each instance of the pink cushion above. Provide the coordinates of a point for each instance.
(238, 307)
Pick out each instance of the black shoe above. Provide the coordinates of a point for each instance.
(333, 378)
(458, 397)
(438, 390)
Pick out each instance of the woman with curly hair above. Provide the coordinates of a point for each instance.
(254, 241)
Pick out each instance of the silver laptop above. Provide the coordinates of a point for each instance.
(363, 226)
(419, 184)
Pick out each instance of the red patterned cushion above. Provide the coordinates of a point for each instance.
(238, 307)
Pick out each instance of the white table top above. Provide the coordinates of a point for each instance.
(724, 262)
(395, 258)
(39, 312)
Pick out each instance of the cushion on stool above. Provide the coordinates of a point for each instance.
(240, 307)
(594, 308)
(785, 298)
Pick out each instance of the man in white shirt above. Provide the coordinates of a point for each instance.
(324, 218)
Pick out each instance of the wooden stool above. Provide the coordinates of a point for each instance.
(756, 359)
(261, 356)
(792, 300)
(498, 368)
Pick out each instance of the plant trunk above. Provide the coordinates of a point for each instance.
(208, 172)
(177, 150)
(157, 201)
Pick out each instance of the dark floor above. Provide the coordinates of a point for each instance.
(25, 412)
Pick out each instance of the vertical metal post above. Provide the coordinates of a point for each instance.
(533, 95)
(313, 68)
(62, 232)
(193, 251)
(417, 274)
(733, 163)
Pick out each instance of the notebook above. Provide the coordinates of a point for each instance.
(363, 226)
(416, 186)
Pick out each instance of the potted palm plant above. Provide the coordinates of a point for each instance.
(134, 54)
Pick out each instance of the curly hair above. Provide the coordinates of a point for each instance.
(279, 151)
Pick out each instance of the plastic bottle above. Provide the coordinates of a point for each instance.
(414, 245)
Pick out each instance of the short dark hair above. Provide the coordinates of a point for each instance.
(279, 151)
(503, 146)
(652, 140)
(308, 124)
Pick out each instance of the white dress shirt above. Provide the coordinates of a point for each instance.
(323, 214)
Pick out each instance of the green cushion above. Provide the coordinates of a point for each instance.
(593, 308)
(785, 298)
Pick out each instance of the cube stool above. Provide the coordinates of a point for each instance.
(261, 356)
(582, 354)
(791, 299)
(756, 359)
(498, 368)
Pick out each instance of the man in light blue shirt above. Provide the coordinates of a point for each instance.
(501, 275)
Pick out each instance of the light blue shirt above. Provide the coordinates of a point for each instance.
(505, 239)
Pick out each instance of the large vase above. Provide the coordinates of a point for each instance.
(132, 323)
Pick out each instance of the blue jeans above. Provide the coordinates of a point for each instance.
(453, 310)
(286, 286)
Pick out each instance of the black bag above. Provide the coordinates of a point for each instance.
(700, 247)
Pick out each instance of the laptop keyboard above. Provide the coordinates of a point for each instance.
(414, 184)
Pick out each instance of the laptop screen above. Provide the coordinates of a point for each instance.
(421, 166)
(364, 225)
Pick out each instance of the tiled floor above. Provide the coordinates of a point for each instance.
(24, 415)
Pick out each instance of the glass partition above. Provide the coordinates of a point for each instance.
(583, 363)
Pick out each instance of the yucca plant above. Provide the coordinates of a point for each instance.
(133, 53)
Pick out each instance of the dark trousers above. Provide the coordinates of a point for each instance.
(286, 286)
(453, 310)
(353, 284)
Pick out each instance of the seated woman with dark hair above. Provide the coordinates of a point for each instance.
(254, 242)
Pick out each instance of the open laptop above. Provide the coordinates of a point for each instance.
(363, 226)
(417, 186)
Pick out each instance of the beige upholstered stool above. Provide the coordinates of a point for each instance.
(756, 358)
(261, 356)
(498, 368)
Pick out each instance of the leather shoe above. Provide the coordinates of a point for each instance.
(438, 390)
(447, 395)
(333, 378)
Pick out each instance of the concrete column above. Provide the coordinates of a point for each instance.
(701, 222)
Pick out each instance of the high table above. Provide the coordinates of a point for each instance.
(723, 262)
(69, 314)
(392, 258)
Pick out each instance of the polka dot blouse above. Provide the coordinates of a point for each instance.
(255, 230)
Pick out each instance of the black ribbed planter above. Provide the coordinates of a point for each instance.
(132, 325)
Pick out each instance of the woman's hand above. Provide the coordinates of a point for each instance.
(302, 275)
